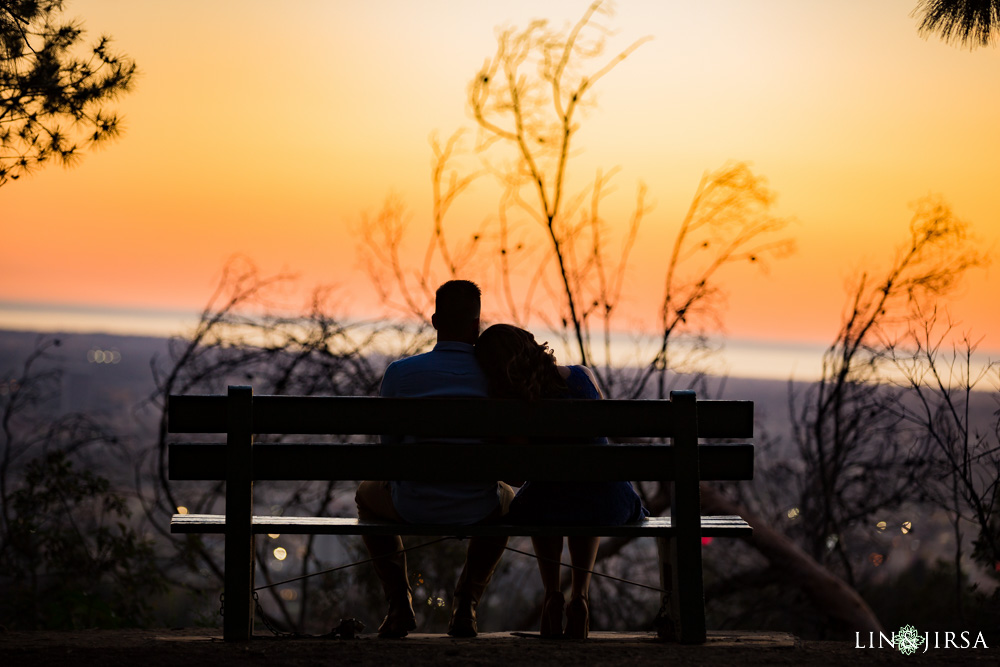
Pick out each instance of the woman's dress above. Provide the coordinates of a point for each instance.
(577, 503)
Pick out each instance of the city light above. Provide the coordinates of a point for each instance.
(97, 356)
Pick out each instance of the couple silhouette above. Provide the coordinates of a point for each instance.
(503, 362)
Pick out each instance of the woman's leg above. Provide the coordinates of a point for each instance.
(582, 554)
(549, 552)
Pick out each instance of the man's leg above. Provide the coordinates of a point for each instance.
(481, 560)
(374, 501)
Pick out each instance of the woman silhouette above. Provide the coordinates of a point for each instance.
(516, 366)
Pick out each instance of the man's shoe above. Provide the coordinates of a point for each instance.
(463, 618)
(400, 619)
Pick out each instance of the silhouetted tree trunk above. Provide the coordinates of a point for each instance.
(789, 563)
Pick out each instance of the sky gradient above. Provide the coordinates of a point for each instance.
(268, 129)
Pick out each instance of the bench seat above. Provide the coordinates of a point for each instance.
(657, 526)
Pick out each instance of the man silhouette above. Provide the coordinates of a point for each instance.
(449, 370)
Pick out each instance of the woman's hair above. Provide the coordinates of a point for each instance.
(516, 366)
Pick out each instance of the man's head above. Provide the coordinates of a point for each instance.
(456, 311)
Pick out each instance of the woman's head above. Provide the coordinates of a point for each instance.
(515, 365)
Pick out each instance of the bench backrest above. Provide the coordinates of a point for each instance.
(682, 419)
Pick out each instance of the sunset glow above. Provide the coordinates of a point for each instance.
(268, 130)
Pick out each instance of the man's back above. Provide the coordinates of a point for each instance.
(449, 370)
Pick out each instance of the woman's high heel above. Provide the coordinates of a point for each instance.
(577, 618)
(552, 614)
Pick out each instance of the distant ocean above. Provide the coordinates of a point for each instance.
(777, 360)
(91, 319)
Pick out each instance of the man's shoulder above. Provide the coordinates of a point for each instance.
(439, 372)
(415, 362)
(442, 353)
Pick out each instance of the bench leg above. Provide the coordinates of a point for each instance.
(666, 629)
(237, 624)
(689, 591)
(681, 617)
(685, 511)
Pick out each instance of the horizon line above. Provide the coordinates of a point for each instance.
(178, 315)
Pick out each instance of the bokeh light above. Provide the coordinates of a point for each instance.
(98, 356)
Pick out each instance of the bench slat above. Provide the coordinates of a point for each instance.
(711, 526)
(461, 462)
(456, 417)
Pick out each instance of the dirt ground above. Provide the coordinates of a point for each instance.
(194, 647)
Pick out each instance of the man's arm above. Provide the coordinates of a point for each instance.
(387, 389)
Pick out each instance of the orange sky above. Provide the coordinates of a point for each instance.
(268, 129)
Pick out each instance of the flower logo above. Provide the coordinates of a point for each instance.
(908, 640)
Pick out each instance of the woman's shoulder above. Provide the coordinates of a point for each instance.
(582, 382)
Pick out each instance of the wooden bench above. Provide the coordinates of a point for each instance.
(240, 415)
